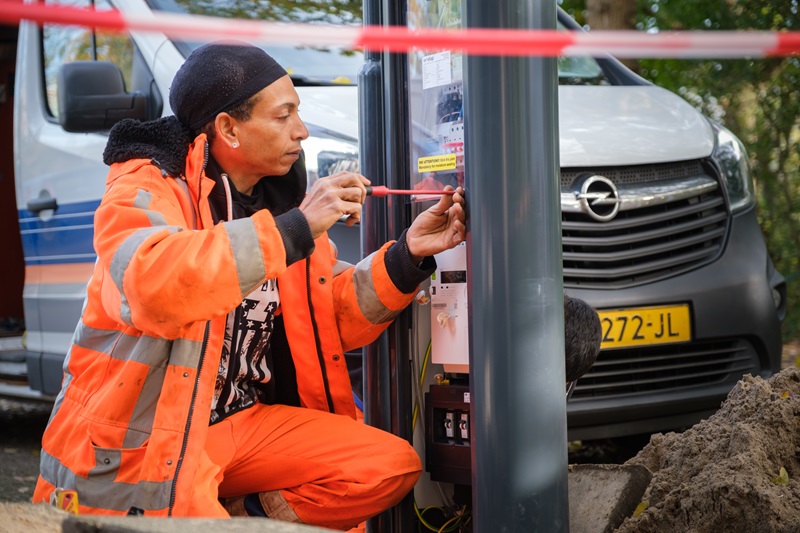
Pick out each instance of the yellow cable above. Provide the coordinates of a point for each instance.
(453, 523)
(422, 519)
(420, 381)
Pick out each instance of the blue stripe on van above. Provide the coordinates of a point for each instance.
(65, 237)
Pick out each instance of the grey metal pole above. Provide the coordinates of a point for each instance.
(519, 455)
(398, 172)
(374, 232)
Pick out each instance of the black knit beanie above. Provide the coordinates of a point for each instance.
(219, 76)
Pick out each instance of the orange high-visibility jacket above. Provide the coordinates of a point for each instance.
(130, 422)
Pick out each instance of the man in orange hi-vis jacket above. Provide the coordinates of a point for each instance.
(206, 376)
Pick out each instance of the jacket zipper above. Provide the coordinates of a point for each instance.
(317, 339)
(203, 350)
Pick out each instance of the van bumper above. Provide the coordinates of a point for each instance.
(732, 305)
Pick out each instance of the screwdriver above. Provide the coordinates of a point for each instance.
(380, 190)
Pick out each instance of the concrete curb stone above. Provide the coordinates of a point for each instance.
(30, 518)
(602, 496)
(133, 524)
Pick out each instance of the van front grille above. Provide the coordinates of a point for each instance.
(668, 368)
(636, 173)
(648, 243)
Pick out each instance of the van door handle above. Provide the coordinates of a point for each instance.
(37, 205)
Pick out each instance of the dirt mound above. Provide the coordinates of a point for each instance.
(724, 474)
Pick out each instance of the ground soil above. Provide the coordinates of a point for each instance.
(724, 474)
(21, 426)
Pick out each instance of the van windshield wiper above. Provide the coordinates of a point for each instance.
(566, 79)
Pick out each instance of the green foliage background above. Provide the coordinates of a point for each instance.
(757, 99)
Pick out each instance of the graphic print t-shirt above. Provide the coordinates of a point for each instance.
(243, 364)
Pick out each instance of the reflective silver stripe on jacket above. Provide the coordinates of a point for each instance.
(123, 257)
(366, 295)
(99, 490)
(140, 424)
(340, 266)
(65, 381)
(247, 254)
(142, 201)
(147, 350)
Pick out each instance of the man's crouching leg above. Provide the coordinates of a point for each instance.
(337, 472)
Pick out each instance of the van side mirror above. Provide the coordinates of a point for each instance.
(92, 97)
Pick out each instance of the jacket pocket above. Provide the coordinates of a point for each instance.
(116, 463)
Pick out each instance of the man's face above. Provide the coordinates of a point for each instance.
(270, 138)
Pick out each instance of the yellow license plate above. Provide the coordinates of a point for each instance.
(645, 326)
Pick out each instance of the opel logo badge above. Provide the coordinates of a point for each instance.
(599, 198)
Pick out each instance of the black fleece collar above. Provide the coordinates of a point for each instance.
(165, 139)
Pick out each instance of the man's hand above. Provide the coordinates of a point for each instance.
(333, 197)
(439, 228)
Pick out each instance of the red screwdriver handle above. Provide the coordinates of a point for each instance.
(377, 190)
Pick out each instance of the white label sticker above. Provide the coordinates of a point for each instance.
(436, 70)
(466, 397)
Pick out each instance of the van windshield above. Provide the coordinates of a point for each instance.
(322, 66)
(306, 65)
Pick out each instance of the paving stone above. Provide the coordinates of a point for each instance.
(602, 496)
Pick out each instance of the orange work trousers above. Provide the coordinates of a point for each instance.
(331, 470)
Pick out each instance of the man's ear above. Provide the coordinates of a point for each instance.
(226, 130)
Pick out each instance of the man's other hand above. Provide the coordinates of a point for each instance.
(439, 228)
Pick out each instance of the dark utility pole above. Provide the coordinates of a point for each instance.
(519, 452)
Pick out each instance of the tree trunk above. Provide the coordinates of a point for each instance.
(613, 15)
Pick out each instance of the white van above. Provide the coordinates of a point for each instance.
(72, 85)
(680, 230)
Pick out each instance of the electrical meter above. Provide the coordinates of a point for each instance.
(449, 320)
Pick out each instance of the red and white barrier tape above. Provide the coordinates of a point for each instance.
(477, 41)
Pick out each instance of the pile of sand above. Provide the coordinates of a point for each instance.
(724, 474)
(30, 518)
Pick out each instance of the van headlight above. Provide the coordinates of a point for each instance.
(327, 153)
(734, 165)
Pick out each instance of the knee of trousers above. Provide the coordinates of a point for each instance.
(405, 471)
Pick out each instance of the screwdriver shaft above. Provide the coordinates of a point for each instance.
(380, 190)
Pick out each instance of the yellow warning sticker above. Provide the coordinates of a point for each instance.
(436, 162)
